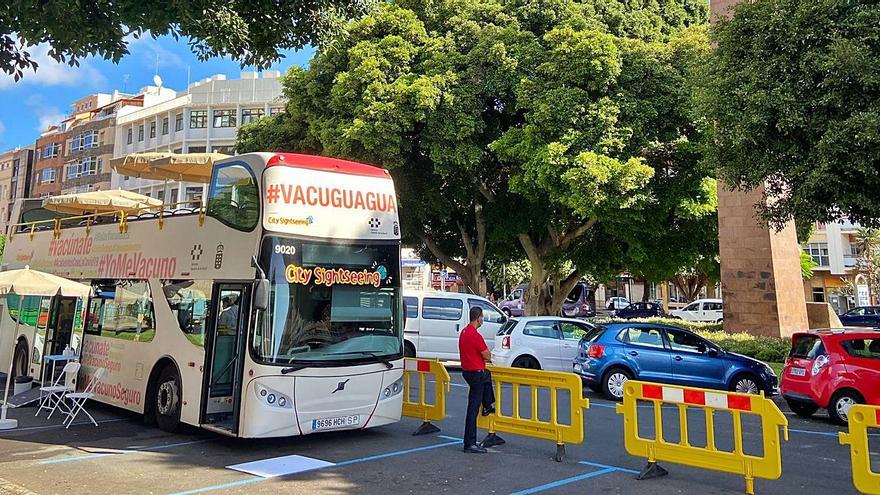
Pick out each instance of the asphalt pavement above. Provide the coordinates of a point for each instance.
(122, 455)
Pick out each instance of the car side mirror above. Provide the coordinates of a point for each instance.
(712, 352)
(261, 294)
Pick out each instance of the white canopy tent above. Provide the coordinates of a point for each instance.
(27, 282)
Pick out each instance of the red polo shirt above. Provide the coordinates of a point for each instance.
(470, 347)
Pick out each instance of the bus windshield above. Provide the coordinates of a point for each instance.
(329, 302)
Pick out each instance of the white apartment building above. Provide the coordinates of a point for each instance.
(833, 248)
(205, 118)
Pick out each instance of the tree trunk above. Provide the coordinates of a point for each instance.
(690, 285)
(470, 270)
(645, 286)
(547, 290)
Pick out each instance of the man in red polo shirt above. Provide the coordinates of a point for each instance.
(474, 356)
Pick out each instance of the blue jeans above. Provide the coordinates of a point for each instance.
(479, 393)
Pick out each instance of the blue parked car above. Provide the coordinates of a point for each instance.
(612, 354)
(862, 316)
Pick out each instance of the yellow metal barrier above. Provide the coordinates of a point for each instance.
(862, 417)
(709, 457)
(533, 426)
(434, 410)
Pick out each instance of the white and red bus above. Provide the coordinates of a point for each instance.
(273, 310)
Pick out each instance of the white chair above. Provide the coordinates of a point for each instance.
(51, 396)
(78, 399)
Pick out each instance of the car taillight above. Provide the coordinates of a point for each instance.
(596, 351)
(820, 362)
(505, 342)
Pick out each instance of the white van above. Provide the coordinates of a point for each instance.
(701, 310)
(435, 319)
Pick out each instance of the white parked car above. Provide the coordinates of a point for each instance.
(701, 310)
(617, 303)
(434, 320)
(539, 342)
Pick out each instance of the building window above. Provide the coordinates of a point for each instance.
(165, 126)
(274, 110)
(226, 150)
(48, 176)
(818, 252)
(198, 119)
(140, 133)
(178, 122)
(224, 118)
(153, 129)
(51, 150)
(196, 149)
(130, 133)
(249, 115)
(819, 294)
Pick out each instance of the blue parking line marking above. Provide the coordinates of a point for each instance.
(605, 466)
(121, 452)
(458, 385)
(220, 487)
(562, 482)
(49, 427)
(447, 437)
(395, 453)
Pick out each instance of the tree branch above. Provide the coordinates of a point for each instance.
(481, 231)
(439, 253)
(468, 242)
(573, 235)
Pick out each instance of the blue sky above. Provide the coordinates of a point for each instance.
(44, 97)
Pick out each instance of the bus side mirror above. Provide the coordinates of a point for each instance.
(261, 294)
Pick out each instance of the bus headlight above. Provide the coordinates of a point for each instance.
(272, 397)
(394, 389)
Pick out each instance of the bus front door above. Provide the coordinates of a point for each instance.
(224, 361)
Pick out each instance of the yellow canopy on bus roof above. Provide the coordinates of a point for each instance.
(138, 164)
(100, 201)
(191, 167)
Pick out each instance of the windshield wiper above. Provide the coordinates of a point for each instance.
(295, 367)
(384, 361)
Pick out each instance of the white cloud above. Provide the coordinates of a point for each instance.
(148, 49)
(46, 114)
(2, 131)
(52, 73)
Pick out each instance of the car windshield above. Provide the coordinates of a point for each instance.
(330, 302)
(807, 346)
(593, 334)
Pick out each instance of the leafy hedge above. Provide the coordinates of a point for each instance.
(768, 349)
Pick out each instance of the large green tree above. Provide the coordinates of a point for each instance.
(515, 125)
(791, 96)
(249, 31)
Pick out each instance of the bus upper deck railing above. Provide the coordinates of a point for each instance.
(122, 217)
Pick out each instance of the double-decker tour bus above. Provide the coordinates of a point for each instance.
(273, 310)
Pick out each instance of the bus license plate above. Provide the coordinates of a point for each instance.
(330, 423)
(797, 372)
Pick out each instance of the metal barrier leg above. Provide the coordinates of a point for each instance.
(560, 452)
(492, 440)
(652, 470)
(426, 428)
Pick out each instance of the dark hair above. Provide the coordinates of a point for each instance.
(476, 312)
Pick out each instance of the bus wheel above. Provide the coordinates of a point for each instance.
(20, 359)
(167, 400)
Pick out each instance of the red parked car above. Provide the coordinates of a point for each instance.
(832, 369)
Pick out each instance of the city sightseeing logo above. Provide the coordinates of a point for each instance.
(334, 276)
(304, 222)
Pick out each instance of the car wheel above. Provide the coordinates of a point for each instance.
(840, 403)
(801, 409)
(613, 383)
(409, 350)
(745, 384)
(527, 362)
(167, 400)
